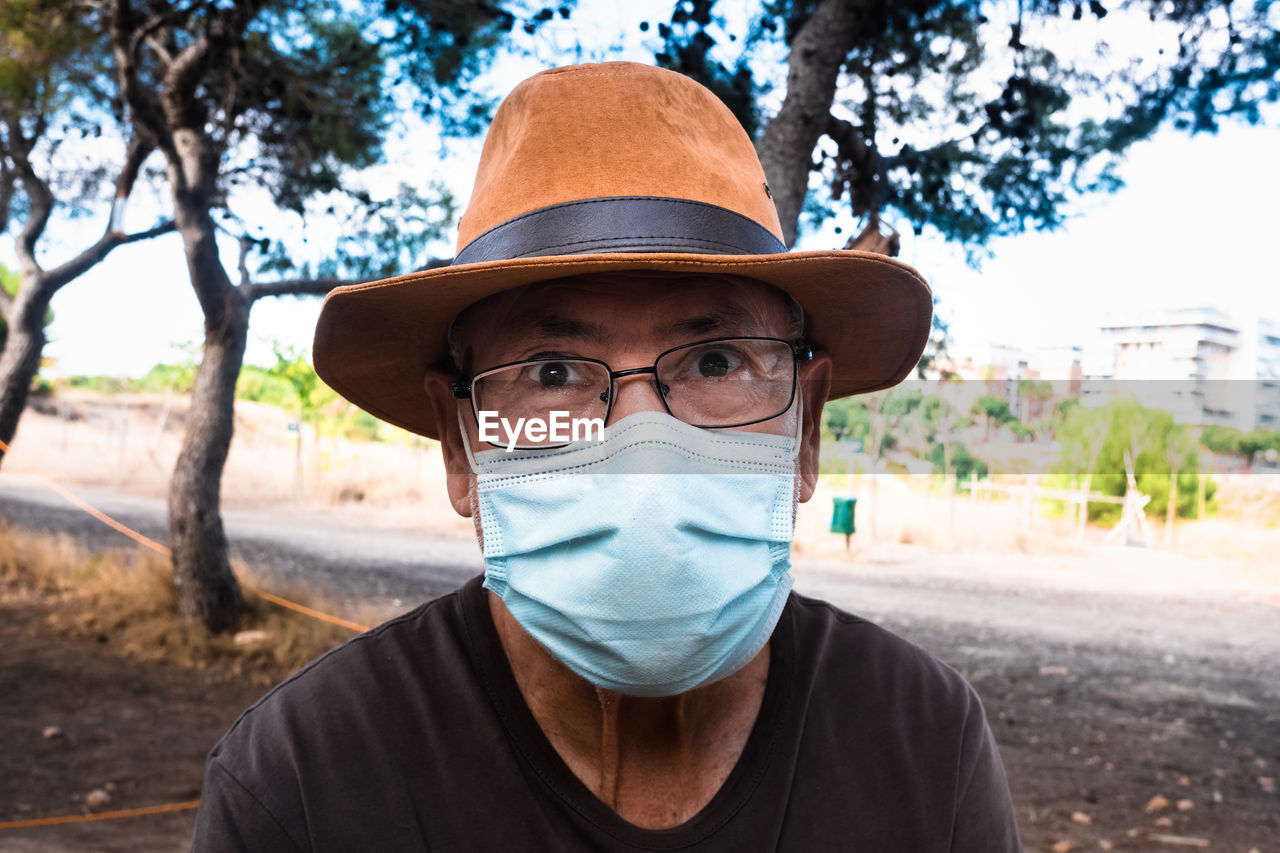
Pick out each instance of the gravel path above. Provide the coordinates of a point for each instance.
(1139, 600)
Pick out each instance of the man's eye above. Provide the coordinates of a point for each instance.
(713, 364)
(554, 374)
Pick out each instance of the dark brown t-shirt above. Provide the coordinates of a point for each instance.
(414, 736)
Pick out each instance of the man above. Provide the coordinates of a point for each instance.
(632, 672)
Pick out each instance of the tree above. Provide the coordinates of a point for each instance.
(1164, 458)
(293, 368)
(935, 347)
(1179, 448)
(965, 117)
(50, 95)
(1034, 393)
(287, 99)
(993, 410)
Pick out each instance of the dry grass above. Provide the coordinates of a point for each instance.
(125, 597)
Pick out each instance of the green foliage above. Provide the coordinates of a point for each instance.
(846, 418)
(403, 227)
(259, 385)
(101, 384)
(963, 463)
(1155, 443)
(976, 126)
(687, 42)
(9, 281)
(994, 411)
(993, 408)
(178, 376)
(293, 368)
(55, 84)
(1229, 440)
(442, 46)
(935, 348)
(311, 95)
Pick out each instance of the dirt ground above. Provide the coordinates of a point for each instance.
(1135, 693)
(1092, 750)
(138, 730)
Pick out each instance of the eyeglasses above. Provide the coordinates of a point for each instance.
(714, 384)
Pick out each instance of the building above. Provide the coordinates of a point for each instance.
(1201, 364)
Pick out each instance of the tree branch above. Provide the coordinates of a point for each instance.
(818, 51)
(856, 168)
(314, 286)
(94, 255)
(7, 179)
(137, 152)
(126, 42)
(160, 48)
(246, 243)
(181, 79)
(39, 196)
(298, 287)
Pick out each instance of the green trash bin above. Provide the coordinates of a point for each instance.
(842, 517)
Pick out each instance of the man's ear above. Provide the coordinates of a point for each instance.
(815, 383)
(444, 408)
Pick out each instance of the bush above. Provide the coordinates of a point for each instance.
(1110, 431)
(963, 462)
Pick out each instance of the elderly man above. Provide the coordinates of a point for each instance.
(632, 672)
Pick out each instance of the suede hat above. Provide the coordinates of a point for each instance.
(610, 167)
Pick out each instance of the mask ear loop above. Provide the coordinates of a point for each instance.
(799, 436)
(466, 445)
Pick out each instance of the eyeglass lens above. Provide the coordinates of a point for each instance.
(722, 383)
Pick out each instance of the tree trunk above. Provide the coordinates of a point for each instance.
(207, 589)
(786, 147)
(21, 357)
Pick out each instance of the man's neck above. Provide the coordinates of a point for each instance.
(655, 761)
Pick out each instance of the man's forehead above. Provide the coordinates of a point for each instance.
(595, 309)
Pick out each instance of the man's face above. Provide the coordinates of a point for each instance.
(625, 320)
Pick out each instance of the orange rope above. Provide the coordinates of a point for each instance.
(307, 611)
(108, 520)
(163, 549)
(81, 818)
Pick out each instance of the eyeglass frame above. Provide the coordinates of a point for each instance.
(801, 352)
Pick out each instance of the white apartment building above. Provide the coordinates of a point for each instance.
(1200, 363)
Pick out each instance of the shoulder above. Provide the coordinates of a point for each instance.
(368, 677)
(875, 671)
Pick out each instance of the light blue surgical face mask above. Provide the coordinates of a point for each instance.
(649, 563)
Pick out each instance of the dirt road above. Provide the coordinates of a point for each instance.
(1135, 694)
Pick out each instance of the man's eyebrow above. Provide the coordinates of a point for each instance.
(725, 318)
(553, 328)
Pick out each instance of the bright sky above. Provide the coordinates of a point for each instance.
(1195, 224)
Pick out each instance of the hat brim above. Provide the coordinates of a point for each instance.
(375, 341)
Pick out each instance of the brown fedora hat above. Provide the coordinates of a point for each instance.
(610, 167)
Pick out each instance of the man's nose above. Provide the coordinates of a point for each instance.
(637, 392)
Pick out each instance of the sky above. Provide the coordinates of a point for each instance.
(1195, 224)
